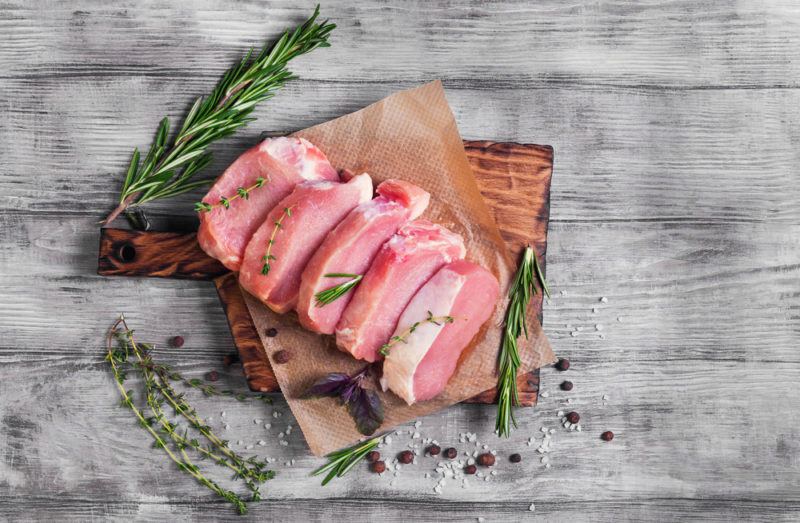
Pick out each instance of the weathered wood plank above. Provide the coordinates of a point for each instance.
(697, 159)
(678, 43)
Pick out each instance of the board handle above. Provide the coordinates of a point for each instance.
(155, 254)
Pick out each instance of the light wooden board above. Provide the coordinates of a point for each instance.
(676, 131)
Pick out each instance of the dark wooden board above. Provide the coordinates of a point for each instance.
(514, 179)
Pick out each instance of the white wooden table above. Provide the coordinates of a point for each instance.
(676, 195)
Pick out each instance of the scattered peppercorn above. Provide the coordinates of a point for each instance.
(230, 359)
(563, 364)
(405, 457)
(486, 459)
(470, 469)
(566, 385)
(282, 356)
(373, 456)
(177, 341)
(212, 376)
(607, 435)
(271, 332)
(378, 467)
(450, 453)
(434, 450)
(515, 458)
(573, 417)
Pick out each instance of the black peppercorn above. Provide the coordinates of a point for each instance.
(434, 450)
(230, 359)
(271, 332)
(282, 356)
(378, 467)
(212, 376)
(486, 459)
(470, 469)
(563, 364)
(373, 456)
(573, 417)
(177, 341)
(450, 453)
(566, 385)
(405, 457)
(515, 458)
(607, 435)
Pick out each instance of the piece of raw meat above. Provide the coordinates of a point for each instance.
(436, 326)
(402, 266)
(351, 247)
(282, 163)
(294, 229)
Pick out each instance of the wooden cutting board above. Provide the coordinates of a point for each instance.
(514, 178)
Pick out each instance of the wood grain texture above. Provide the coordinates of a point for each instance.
(676, 131)
(514, 178)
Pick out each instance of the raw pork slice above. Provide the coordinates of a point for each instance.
(293, 230)
(402, 266)
(459, 298)
(350, 248)
(282, 163)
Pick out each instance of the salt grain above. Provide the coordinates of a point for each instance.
(603, 300)
(598, 327)
(573, 333)
(532, 507)
(594, 310)
(545, 394)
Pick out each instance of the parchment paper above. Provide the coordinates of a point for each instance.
(411, 135)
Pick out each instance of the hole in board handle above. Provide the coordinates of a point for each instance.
(126, 253)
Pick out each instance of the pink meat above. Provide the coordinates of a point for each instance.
(402, 266)
(283, 163)
(351, 247)
(314, 209)
(420, 368)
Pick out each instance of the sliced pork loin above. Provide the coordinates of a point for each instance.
(291, 234)
(282, 163)
(401, 267)
(418, 367)
(351, 247)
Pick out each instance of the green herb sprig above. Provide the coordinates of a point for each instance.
(170, 166)
(268, 256)
(403, 336)
(158, 392)
(332, 294)
(519, 295)
(225, 201)
(342, 461)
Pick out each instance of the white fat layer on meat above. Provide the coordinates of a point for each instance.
(293, 151)
(436, 296)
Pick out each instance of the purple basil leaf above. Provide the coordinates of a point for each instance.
(331, 385)
(366, 409)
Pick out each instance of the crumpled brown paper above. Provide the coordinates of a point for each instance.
(410, 135)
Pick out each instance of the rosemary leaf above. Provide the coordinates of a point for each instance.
(332, 294)
(169, 167)
(342, 461)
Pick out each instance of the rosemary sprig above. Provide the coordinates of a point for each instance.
(520, 293)
(268, 256)
(169, 167)
(332, 294)
(225, 201)
(403, 336)
(157, 391)
(341, 461)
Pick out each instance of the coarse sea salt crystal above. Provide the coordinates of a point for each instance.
(532, 507)
(619, 319)
(387, 439)
(573, 334)
(547, 466)
(598, 327)
(603, 300)
(545, 394)
(563, 293)
(594, 310)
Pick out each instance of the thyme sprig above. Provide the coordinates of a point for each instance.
(403, 336)
(342, 461)
(332, 294)
(170, 166)
(225, 201)
(158, 392)
(268, 256)
(519, 294)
